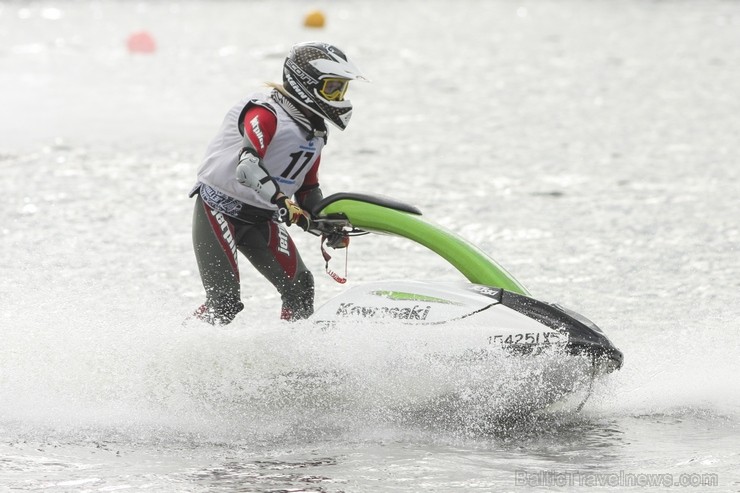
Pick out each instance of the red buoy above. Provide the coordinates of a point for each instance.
(141, 42)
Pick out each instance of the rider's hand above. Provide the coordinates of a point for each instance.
(291, 213)
(336, 239)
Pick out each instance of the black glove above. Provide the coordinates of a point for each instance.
(291, 213)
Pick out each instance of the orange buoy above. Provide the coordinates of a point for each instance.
(315, 19)
(141, 42)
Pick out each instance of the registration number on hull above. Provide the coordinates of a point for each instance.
(528, 338)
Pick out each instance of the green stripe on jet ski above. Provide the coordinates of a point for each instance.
(400, 296)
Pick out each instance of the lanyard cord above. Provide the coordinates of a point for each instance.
(327, 257)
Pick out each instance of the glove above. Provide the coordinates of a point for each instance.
(336, 240)
(290, 213)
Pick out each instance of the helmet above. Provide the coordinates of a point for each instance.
(316, 76)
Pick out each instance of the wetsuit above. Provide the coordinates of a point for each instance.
(231, 217)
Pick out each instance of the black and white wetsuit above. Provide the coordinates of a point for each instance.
(231, 217)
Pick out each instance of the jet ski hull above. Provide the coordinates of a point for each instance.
(504, 354)
(485, 318)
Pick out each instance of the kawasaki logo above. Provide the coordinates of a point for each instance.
(415, 313)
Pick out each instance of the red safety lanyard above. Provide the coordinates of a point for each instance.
(327, 257)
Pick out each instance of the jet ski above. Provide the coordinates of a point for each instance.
(487, 316)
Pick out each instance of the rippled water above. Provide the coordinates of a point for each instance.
(590, 147)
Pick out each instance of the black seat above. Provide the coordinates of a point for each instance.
(370, 199)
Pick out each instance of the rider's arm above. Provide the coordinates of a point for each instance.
(309, 195)
(260, 125)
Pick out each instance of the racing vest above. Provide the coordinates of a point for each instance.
(290, 156)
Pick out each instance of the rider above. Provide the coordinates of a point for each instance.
(260, 174)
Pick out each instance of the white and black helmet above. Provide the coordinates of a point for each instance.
(316, 76)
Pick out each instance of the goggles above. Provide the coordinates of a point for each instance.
(333, 89)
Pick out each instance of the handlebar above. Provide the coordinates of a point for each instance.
(328, 225)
